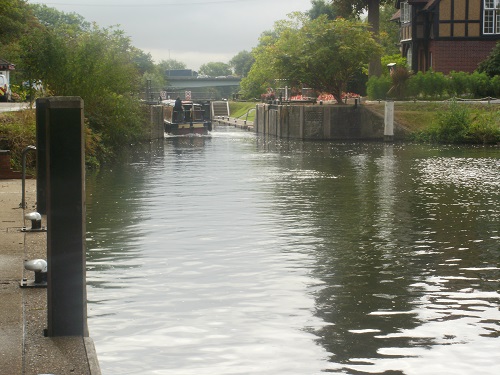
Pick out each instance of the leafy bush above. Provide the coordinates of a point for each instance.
(378, 87)
(485, 128)
(414, 85)
(18, 130)
(98, 65)
(459, 84)
(451, 126)
(389, 59)
(434, 85)
(480, 85)
(495, 86)
(491, 66)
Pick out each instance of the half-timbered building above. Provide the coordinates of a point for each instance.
(447, 35)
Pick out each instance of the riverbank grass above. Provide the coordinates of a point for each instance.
(241, 109)
(447, 122)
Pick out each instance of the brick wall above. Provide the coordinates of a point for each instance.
(459, 55)
(5, 170)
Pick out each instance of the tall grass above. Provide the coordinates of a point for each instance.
(17, 131)
(240, 110)
(461, 124)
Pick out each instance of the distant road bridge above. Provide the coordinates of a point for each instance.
(194, 82)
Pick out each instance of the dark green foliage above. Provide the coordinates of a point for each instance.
(49, 17)
(495, 86)
(99, 65)
(143, 61)
(480, 85)
(357, 84)
(350, 8)
(459, 84)
(432, 85)
(452, 125)
(15, 19)
(378, 87)
(72, 57)
(320, 54)
(215, 69)
(242, 63)
(460, 124)
(485, 128)
(170, 64)
(491, 66)
(17, 130)
(389, 31)
(436, 86)
(320, 7)
(323, 55)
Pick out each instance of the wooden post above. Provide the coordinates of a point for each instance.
(66, 289)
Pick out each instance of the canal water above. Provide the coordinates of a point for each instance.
(235, 254)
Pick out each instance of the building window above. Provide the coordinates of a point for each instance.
(406, 11)
(409, 58)
(491, 17)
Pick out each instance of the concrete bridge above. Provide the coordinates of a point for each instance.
(196, 82)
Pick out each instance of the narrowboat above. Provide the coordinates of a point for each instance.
(191, 118)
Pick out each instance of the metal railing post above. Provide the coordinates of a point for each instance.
(23, 195)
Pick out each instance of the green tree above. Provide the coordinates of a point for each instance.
(396, 58)
(99, 65)
(50, 17)
(215, 69)
(142, 60)
(147, 68)
(323, 54)
(241, 63)
(452, 125)
(319, 7)
(170, 64)
(388, 31)
(348, 8)
(15, 19)
(491, 66)
(262, 75)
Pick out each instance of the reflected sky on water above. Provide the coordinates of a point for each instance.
(235, 254)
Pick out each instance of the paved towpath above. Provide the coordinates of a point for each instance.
(232, 121)
(23, 311)
(11, 106)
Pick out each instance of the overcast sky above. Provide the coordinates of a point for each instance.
(191, 31)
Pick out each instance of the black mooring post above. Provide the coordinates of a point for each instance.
(66, 292)
(41, 164)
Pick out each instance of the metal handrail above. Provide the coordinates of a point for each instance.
(248, 112)
(23, 199)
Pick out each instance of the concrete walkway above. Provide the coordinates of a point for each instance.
(13, 106)
(23, 311)
(231, 121)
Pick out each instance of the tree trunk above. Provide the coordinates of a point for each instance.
(375, 66)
